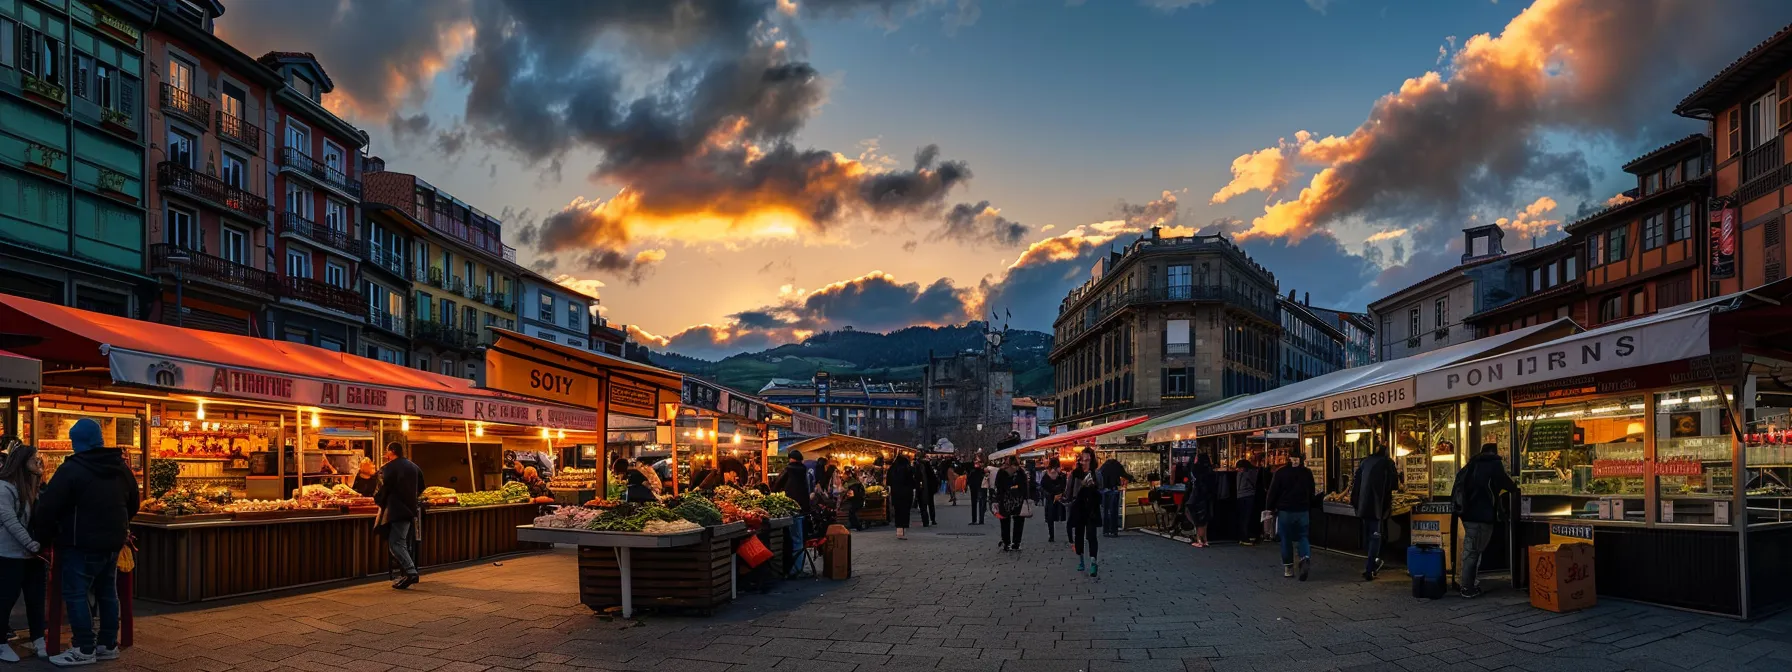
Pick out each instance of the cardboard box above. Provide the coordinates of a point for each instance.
(1562, 577)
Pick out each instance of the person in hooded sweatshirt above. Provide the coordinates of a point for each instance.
(1477, 495)
(85, 514)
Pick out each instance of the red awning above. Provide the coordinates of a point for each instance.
(1066, 438)
(72, 337)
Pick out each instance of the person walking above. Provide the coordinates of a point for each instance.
(947, 476)
(1081, 471)
(401, 482)
(1113, 479)
(1291, 497)
(1013, 489)
(927, 482)
(1085, 516)
(1051, 490)
(22, 571)
(1250, 506)
(1372, 493)
(1203, 487)
(85, 514)
(1479, 494)
(973, 481)
(901, 480)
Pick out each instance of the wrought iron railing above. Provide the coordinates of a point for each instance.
(235, 129)
(443, 334)
(1178, 293)
(185, 104)
(1762, 160)
(202, 266)
(380, 319)
(391, 260)
(180, 179)
(324, 294)
(291, 157)
(437, 277)
(296, 224)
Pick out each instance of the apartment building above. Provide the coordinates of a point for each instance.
(556, 313)
(1311, 345)
(1429, 315)
(463, 278)
(1167, 324)
(72, 145)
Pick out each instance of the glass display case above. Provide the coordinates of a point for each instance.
(1353, 439)
(1312, 445)
(1577, 453)
(1695, 476)
(1767, 452)
(120, 430)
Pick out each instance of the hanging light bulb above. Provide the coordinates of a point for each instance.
(562, 435)
(315, 422)
(737, 438)
(404, 424)
(200, 414)
(478, 429)
(544, 432)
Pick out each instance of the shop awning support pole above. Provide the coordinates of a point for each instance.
(472, 477)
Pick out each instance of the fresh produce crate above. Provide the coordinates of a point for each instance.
(695, 578)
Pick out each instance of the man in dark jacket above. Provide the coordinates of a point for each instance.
(973, 481)
(1478, 497)
(927, 484)
(401, 484)
(86, 513)
(1251, 485)
(1372, 493)
(1291, 493)
(794, 482)
(1112, 478)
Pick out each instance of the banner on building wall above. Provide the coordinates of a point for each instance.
(1723, 238)
(151, 370)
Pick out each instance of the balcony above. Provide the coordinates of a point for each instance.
(207, 268)
(382, 320)
(235, 129)
(324, 295)
(456, 285)
(294, 224)
(1764, 171)
(175, 178)
(437, 278)
(1097, 313)
(297, 161)
(390, 261)
(443, 335)
(186, 105)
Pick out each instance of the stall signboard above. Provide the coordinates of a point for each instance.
(1241, 424)
(745, 407)
(1568, 533)
(633, 398)
(804, 424)
(1431, 526)
(1658, 342)
(698, 394)
(152, 370)
(1370, 400)
(21, 375)
(1720, 366)
(506, 372)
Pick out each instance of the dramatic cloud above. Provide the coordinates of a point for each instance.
(1618, 199)
(636, 267)
(1532, 221)
(873, 302)
(980, 223)
(1588, 67)
(1161, 212)
(1379, 236)
(584, 286)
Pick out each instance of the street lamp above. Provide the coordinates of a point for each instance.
(178, 260)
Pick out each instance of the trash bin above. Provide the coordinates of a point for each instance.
(837, 557)
(1426, 565)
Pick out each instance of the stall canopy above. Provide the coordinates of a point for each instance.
(1066, 438)
(533, 367)
(1363, 390)
(832, 443)
(1139, 431)
(206, 363)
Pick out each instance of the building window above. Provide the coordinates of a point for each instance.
(298, 137)
(1176, 382)
(1536, 279)
(546, 337)
(447, 312)
(180, 148)
(333, 157)
(1615, 244)
(233, 245)
(423, 307)
(1441, 310)
(8, 50)
(298, 264)
(1180, 280)
(1413, 326)
(178, 228)
(1693, 168)
(1654, 231)
(1176, 340)
(1569, 272)
(1596, 255)
(1680, 223)
(1611, 308)
(546, 314)
(233, 170)
(336, 275)
(573, 315)
(304, 87)
(1553, 276)
(336, 216)
(1763, 124)
(1651, 183)
(299, 202)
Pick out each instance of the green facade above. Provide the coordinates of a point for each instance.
(72, 181)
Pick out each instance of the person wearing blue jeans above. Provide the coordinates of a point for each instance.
(1110, 512)
(1291, 493)
(85, 514)
(1112, 477)
(95, 573)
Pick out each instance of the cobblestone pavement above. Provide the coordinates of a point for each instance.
(948, 599)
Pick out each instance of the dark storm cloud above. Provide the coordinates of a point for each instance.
(979, 223)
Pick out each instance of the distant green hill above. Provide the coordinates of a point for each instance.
(900, 355)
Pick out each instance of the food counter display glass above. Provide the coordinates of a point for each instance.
(1312, 446)
(118, 430)
(215, 447)
(1496, 428)
(1353, 440)
(1576, 453)
(1427, 449)
(1695, 476)
(1768, 452)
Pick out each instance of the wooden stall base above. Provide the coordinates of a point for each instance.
(698, 578)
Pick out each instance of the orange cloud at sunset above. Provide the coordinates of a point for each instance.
(1532, 221)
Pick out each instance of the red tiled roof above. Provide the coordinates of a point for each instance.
(1772, 46)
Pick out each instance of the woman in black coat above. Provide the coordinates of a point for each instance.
(901, 486)
(1202, 488)
(1013, 489)
(1051, 487)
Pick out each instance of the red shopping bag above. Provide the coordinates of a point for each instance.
(753, 552)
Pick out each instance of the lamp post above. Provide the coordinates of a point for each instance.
(178, 260)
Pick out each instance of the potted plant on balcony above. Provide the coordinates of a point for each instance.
(42, 159)
(117, 122)
(112, 184)
(44, 93)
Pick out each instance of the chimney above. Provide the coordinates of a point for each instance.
(1306, 298)
(1291, 296)
(373, 164)
(1482, 242)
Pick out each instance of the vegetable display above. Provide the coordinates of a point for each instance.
(699, 510)
(779, 505)
(630, 518)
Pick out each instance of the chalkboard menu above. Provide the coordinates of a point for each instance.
(1551, 435)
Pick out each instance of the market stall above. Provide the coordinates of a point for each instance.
(1140, 461)
(248, 450)
(1662, 441)
(866, 457)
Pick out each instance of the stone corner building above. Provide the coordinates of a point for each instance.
(1170, 323)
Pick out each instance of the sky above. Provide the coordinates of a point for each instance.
(728, 175)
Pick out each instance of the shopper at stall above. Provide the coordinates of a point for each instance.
(1250, 487)
(1013, 489)
(1203, 487)
(94, 488)
(947, 476)
(900, 482)
(367, 479)
(1113, 479)
(21, 568)
(1480, 495)
(973, 481)
(794, 481)
(401, 482)
(1372, 493)
(855, 500)
(928, 482)
(1051, 489)
(1291, 497)
(1085, 516)
(537, 487)
(1081, 471)
(635, 487)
